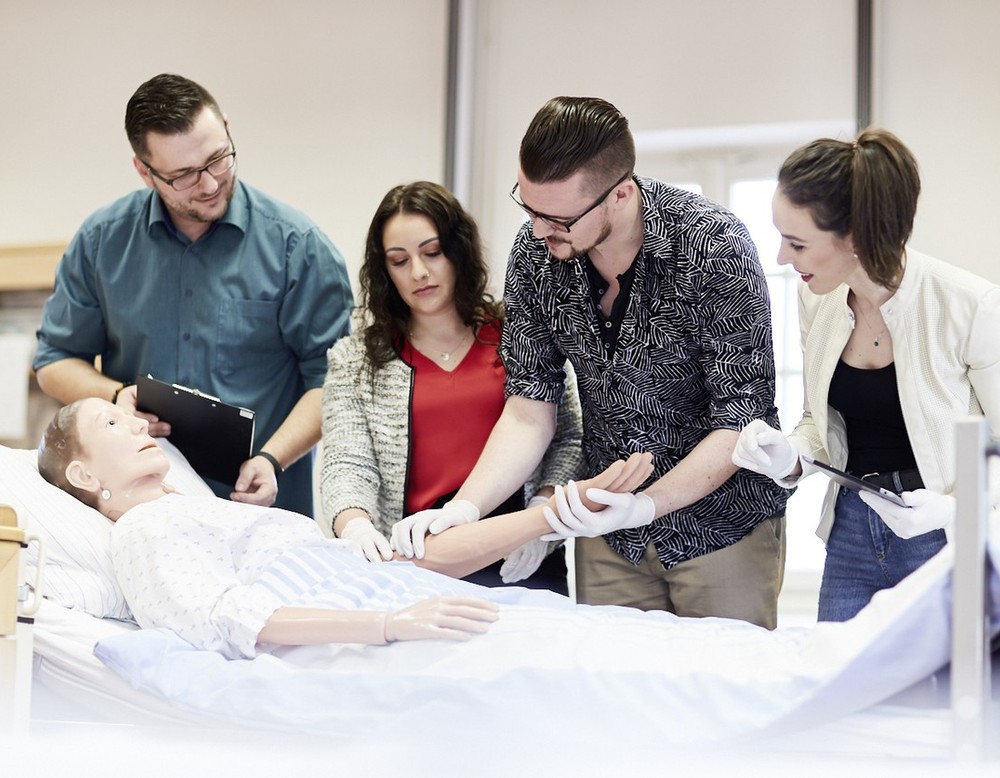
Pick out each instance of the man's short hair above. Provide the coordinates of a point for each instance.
(167, 104)
(569, 134)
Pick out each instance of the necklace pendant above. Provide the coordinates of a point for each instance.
(446, 357)
(876, 342)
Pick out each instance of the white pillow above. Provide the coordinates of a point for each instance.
(78, 573)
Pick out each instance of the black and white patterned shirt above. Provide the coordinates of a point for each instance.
(693, 355)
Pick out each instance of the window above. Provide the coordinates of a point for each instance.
(751, 201)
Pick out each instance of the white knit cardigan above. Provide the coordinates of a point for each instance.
(366, 437)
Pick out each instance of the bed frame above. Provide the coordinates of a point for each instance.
(970, 669)
(16, 620)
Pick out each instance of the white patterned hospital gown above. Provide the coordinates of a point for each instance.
(213, 571)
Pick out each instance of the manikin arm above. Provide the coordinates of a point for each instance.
(446, 618)
(462, 550)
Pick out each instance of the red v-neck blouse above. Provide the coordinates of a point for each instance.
(451, 416)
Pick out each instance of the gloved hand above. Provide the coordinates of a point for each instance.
(926, 511)
(523, 561)
(623, 511)
(408, 534)
(449, 618)
(366, 541)
(765, 450)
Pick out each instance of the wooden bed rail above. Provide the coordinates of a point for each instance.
(15, 626)
(29, 267)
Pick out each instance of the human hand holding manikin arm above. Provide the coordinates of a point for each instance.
(463, 550)
(356, 527)
(591, 513)
(515, 447)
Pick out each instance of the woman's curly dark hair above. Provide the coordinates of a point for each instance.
(386, 318)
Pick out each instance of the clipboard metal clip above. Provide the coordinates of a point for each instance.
(197, 393)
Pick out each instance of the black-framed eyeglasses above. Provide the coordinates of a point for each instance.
(217, 167)
(564, 225)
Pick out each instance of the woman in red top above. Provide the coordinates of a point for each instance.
(411, 398)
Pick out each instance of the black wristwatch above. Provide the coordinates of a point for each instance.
(278, 469)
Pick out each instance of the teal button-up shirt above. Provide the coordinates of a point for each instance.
(245, 313)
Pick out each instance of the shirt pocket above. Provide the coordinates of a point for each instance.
(249, 337)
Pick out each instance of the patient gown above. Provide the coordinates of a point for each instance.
(213, 571)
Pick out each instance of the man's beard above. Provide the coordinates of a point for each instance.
(578, 250)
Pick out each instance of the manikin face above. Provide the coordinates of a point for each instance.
(118, 453)
(822, 259)
(421, 273)
(565, 200)
(192, 210)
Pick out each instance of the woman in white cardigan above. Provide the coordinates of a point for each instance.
(411, 397)
(896, 347)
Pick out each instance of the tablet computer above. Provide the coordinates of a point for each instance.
(215, 437)
(852, 481)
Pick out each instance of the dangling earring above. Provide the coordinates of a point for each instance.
(105, 494)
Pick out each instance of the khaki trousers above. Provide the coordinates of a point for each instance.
(740, 581)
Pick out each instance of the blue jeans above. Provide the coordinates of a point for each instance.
(864, 556)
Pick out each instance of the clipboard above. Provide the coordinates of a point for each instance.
(215, 437)
(853, 482)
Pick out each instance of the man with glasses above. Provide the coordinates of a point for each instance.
(203, 281)
(657, 299)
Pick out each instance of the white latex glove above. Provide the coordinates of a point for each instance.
(450, 618)
(623, 511)
(523, 561)
(764, 450)
(366, 541)
(926, 511)
(408, 534)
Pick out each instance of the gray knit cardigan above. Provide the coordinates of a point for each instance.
(366, 437)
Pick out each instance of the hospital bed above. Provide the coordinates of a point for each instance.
(546, 676)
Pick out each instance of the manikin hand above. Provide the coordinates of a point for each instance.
(523, 561)
(448, 618)
(614, 511)
(765, 450)
(408, 534)
(926, 511)
(366, 541)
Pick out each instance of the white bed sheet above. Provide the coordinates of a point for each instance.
(604, 675)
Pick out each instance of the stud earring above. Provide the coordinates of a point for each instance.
(105, 494)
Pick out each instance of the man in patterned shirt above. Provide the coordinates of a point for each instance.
(658, 300)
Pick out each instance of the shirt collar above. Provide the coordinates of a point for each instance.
(237, 214)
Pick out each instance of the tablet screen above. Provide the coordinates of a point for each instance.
(852, 481)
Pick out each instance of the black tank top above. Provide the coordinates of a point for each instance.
(877, 441)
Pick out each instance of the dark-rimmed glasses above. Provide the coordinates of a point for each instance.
(564, 225)
(217, 167)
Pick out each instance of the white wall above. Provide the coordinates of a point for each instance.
(666, 64)
(937, 86)
(332, 102)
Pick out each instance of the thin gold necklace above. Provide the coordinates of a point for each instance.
(445, 356)
(870, 328)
